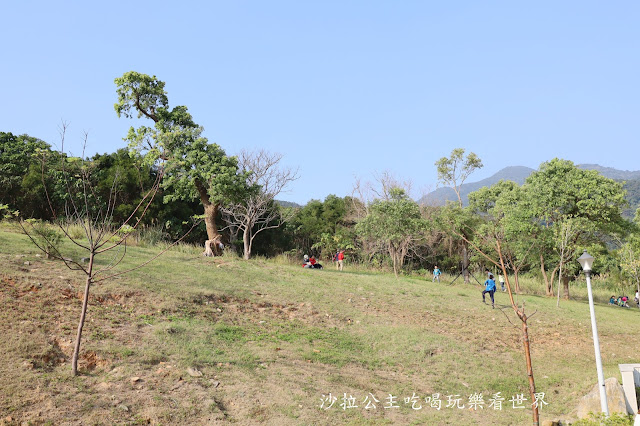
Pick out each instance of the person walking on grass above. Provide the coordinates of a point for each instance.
(340, 258)
(501, 281)
(489, 287)
(436, 274)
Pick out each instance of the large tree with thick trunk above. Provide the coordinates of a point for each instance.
(193, 167)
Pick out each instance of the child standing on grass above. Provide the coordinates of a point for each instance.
(436, 274)
(501, 280)
(490, 287)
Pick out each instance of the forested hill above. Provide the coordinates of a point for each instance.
(288, 204)
(518, 174)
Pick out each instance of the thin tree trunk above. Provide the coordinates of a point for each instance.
(515, 278)
(520, 313)
(527, 356)
(548, 285)
(553, 275)
(83, 315)
(565, 283)
(465, 262)
(525, 336)
(394, 256)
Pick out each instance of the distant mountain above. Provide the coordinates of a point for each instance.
(518, 174)
(611, 172)
(288, 204)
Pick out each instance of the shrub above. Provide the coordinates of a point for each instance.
(46, 237)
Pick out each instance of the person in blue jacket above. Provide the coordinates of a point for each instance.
(436, 274)
(489, 287)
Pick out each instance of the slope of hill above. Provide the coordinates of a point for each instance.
(611, 172)
(288, 204)
(193, 340)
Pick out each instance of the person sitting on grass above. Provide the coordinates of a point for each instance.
(612, 300)
(624, 300)
(490, 287)
(314, 263)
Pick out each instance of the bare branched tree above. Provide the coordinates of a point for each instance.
(101, 234)
(258, 210)
(494, 238)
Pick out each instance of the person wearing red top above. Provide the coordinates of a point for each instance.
(340, 263)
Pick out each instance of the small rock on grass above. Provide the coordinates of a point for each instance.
(194, 372)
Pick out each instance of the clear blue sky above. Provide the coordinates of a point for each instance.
(342, 88)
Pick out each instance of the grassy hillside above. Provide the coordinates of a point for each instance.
(272, 340)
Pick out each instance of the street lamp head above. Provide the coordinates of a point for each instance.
(586, 260)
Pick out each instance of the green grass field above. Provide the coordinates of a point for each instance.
(193, 340)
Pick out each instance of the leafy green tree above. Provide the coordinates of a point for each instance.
(121, 175)
(559, 193)
(453, 171)
(504, 208)
(193, 167)
(456, 168)
(46, 186)
(17, 157)
(629, 254)
(396, 224)
(317, 219)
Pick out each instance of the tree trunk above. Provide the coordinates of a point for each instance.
(247, 244)
(394, 256)
(83, 315)
(465, 262)
(516, 281)
(210, 215)
(553, 275)
(527, 356)
(565, 284)
(548, 286)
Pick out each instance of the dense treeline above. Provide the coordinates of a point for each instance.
(543, 225)
(539, 227)
(34, 179)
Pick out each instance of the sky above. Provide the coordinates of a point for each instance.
(344, 89)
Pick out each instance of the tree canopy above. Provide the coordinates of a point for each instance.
(193, 167)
